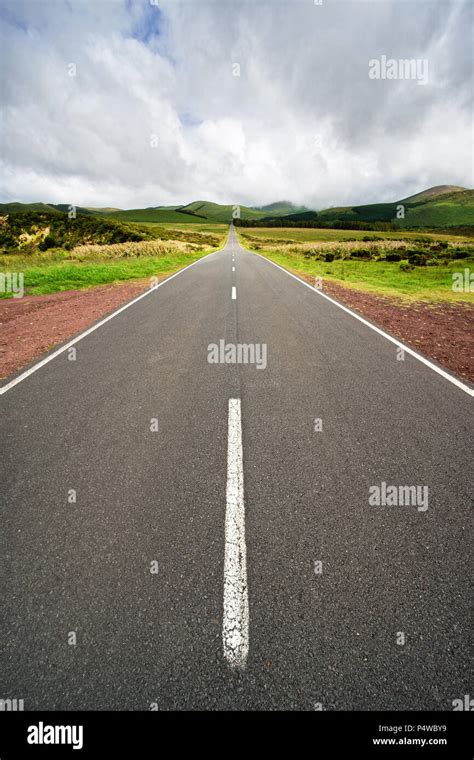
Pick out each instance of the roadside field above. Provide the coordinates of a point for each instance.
(55, 270)
(211, 228)
(423, 271)
(305, 234)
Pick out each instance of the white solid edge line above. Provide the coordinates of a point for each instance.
(235, 622)
(234, 292)
(52, 356)
(410, 351)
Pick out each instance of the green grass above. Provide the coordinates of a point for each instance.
(53, 270)
(303, 234)
(422, 284)
(201, 226)
(54, 277)
(428, 283)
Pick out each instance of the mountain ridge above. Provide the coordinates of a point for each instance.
(440, 205)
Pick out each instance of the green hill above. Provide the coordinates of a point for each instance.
(8, 208)
(447, 210)
(197, 212)
(219, 213)
(433, 192)
(440, 206)
(200, 212)
(160, 215)
(281, 208)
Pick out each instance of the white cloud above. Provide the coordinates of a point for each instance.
(303, 121)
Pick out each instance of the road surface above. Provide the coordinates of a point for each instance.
(187, 534)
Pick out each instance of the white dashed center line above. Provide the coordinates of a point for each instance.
(235, 625)
(234, 292)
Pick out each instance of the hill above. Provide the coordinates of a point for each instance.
(281, 208)
(434, 192)
(439, 206)
(200, 211)
(195, 212)
(158, 215)
(8, 208)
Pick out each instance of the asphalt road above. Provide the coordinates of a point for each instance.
(143, 496)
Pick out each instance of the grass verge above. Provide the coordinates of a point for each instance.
(421, 283)
(87, 266)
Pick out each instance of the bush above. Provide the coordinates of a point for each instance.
(417, 259)
(406, 267)
(361, 253)
(393, 256)
(329, 257)
(460, 254)
(48, 242)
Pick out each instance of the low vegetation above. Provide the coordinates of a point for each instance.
(55, 253)
(33, 232)
(409, 267)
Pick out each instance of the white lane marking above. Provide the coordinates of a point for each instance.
(234, 292)
(52, 356)
(235, 624)
(233, 269)
(398, 343)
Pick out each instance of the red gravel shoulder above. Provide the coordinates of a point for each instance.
(32, 325)
(441, 331)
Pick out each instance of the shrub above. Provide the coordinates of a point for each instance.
(48, 242)
(361, 253)
(417, 259)
(329, 257)
(440, 245)
(393, 256)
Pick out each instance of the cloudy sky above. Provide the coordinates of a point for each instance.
(135, 103)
